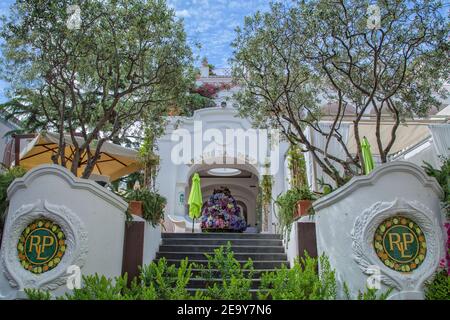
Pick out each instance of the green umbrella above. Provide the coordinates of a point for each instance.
(195, 199)
(367, 156)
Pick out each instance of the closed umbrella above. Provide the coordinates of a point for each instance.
(195, 199)
(367, 156)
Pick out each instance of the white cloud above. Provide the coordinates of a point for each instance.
(183, 13)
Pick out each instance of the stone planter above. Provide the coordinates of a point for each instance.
(384, 229)
(136, 208)
(303, 207)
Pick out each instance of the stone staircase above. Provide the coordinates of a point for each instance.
(266, 251)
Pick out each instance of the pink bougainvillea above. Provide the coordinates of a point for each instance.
(207, 90)
(447, 256)
(210, 90)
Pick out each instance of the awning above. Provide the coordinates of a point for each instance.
(115, 161)
(406, 136)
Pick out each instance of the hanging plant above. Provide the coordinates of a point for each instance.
(288, 207)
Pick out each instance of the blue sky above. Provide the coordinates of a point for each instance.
(209, 22)
(212, 23)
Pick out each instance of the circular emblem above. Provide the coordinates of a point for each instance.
(400, 244)
(41, 246)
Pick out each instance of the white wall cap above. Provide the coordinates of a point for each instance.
(72, 181)
(370, 179)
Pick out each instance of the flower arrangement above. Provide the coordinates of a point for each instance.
(221, 213)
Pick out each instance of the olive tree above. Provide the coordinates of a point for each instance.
(92, 68)
(294, 58)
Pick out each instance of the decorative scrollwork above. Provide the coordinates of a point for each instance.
(76, 245)
(364, 253)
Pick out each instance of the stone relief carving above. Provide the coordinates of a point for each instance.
(76, 241)
(364, 253)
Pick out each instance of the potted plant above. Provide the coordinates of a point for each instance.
(288, 205)
(304, 205)
(146, 204)
(136, 207)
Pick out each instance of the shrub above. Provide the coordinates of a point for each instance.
(6, 178)
(439, 287)
(153, 204)
(442, 176)
(236, 278)
(302, 282)
(287, 206)
(157, 281)
(169, 281)
(37, 294)
(369, 294)
(97, 287)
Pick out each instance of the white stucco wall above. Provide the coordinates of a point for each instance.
(152, 240)
(173, 178)
(397, 188)
(91, 217)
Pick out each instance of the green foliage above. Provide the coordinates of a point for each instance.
(169, 281)
(286, 57)
(265, 198)
(442, 176)
(6, 178)
(439, 287)
(153, 204)
(37, 294)
(266, 189)
(287, 207)
(157, 281)
(326, 187)
(302, 282)
(297, 165)
(368, 294)
(236, 278)
(195, 101)
(147, 155)
(127, 62)
(97, 287)
(309, 279)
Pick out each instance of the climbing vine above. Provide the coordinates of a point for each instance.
(148, 157)
(297, 167)
(266, 198)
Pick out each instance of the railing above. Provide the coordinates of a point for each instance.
(221, 72)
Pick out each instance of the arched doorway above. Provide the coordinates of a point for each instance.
(241, 179)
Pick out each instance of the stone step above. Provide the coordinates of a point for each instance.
(223, 242)
(257, 273)
(220, 235)
(238, 256)
(211, 248)
(203, 283)
(253, 292)
(256, 264)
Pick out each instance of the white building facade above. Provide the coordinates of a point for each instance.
(225, 150)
